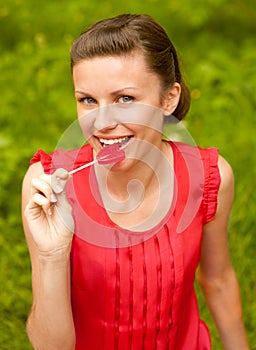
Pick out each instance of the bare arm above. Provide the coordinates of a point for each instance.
(50, 324)
(217, 277)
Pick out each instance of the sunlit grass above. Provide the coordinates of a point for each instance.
(37, 105)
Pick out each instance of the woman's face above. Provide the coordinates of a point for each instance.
(119, 100)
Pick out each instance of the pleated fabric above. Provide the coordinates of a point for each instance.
(139, 296)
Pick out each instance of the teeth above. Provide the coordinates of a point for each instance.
(112, 141)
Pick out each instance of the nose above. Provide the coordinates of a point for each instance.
(105, 118)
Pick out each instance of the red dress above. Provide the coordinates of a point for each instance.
(139, 296)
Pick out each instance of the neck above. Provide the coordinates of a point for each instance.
(138, 195)
(134, 175)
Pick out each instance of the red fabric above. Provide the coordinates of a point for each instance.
(139, 296)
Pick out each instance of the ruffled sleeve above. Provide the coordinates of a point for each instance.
(212, 183)
(44, 158)
(61, 158)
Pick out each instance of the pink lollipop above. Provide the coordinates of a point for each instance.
(107, 155)
(110, 154)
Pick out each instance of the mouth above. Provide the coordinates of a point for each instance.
(121, 141)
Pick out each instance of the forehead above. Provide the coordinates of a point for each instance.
(134, 55)
(123, 67)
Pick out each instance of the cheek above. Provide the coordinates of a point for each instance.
(81, 110)
(138, 115)
(98, 119)
(143, 116)
(86, 122)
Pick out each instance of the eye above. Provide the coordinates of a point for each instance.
(87, 100)
(125, 99)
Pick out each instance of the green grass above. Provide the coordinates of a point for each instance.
(217, 42)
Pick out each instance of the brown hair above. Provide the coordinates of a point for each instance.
(126, 33)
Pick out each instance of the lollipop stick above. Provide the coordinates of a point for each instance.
(82, 167)
(108, 155)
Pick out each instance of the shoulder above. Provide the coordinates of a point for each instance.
(34, 170)
(226, 189)
(226, 174)
(218, 181)
(225, 196)
(62, 158)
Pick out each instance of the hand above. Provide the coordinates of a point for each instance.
(48, 213)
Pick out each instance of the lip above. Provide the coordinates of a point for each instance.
(124, 140)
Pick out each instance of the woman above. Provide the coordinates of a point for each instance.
(113, 267)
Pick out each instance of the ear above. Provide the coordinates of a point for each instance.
(171, 99)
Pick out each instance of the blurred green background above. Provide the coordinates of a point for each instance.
(217, 42)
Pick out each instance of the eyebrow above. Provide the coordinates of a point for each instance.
(116, 92)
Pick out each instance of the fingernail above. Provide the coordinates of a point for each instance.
(53, 198)
(58, 189)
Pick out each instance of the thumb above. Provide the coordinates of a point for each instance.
(59, 179)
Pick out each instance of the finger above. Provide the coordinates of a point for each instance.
(59, 179)
(37, 204)
(40, 185)
(40, 200)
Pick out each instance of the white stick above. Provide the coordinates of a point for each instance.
(82, 167)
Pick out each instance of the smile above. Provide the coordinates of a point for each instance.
(122, 141)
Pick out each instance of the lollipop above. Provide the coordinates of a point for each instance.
(107, 155)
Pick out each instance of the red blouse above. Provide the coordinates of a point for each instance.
(131, 293)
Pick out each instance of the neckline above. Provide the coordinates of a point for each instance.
(112, 224)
